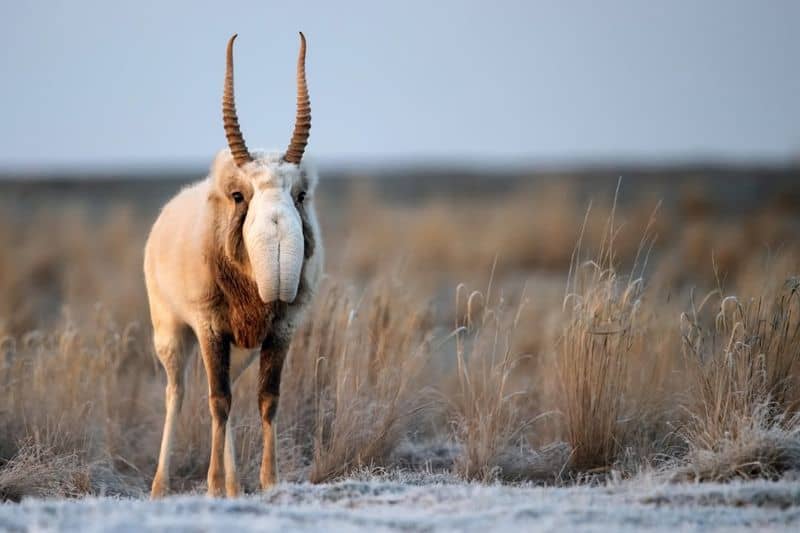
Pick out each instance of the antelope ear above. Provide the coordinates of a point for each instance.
(308, 173)
(223, 165)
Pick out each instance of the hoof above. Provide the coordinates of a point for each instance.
(216, 488)
(159, 489)
(232, 489)
(268, 483)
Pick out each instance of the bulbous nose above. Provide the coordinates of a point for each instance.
(274, 240)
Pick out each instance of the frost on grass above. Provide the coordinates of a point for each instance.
(399, 504)
(37, 472)
(45, 472)
(758, 446)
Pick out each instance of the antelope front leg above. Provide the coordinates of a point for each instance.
(216, 358)
(169, 347)
(273, 353)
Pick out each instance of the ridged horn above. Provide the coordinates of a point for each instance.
(229, 119)
(302, 121)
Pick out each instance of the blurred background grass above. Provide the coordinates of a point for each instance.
(78, 242)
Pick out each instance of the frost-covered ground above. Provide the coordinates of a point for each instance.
(375, 505)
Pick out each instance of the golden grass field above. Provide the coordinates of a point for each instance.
(519, 329)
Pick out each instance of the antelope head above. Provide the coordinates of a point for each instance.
(262, 198)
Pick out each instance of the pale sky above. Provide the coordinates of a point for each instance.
(106, 83)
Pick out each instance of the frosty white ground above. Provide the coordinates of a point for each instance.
(380, 505)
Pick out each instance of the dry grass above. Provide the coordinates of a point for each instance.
(487, 413)
(400, 366)
(353, 377)
(758, 444)
(744, 417)
(37, 472)
(600, 331)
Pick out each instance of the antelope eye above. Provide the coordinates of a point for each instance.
(301, 196)
(237, 197)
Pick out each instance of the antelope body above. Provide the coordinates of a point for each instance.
(231, 263)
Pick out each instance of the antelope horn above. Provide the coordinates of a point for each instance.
(302, 121)
(229, 118)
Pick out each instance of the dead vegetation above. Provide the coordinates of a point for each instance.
(567, 364)
(743, 356)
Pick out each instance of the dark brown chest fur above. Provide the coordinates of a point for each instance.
(238, 310)
(235, 306)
